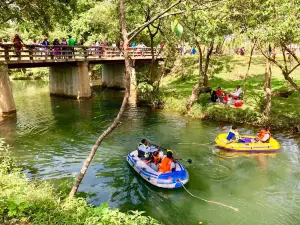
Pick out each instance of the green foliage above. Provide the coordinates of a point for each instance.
(36, 202)
(30, 74)
(176, 88)
(177, 28)
(36, 14)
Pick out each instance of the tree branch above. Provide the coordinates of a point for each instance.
(295, 67)
(269, 58)
(137, 30)
(291, 52)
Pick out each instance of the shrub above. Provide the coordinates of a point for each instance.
(24, 201)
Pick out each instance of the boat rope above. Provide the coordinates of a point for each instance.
(213, 202)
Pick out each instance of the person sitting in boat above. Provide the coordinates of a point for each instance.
(233, 135)
(145, 149)
(167, 163)
(264, 135)
(155, 159)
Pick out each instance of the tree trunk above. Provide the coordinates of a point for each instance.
(123, 106)
(247, 73)
(152, 48)
(267, 90)
(203, 78)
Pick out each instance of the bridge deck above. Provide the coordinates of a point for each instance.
(42, 56)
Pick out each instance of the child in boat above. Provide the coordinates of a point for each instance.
(155, 159)
(233, 135)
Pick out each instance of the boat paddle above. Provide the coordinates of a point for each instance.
(165, 149)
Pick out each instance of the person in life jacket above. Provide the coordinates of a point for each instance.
(233, 135)
(145, 149)
(167, 163)
(155, 159)
(264, 135)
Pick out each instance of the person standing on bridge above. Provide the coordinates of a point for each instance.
(71, 43)
(18, 45)
(45, 45)
(56, 49)
(64, 49)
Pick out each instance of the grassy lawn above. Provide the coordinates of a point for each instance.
(227, 72)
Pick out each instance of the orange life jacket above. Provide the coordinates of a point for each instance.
(165, 165)
(156, 159)
(261, 134)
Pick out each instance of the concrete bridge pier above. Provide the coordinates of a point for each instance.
(113, 75)
(7, 103)
(70, 81)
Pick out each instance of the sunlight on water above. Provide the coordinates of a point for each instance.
(52, 136)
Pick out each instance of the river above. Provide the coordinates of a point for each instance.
(52, 136)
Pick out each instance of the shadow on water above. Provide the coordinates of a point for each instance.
(52, 136)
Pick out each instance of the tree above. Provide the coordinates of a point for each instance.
(128, 78)
(275, 22)
(42, 14)
(206, 29)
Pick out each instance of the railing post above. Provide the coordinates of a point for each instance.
(6, 53)
(85, 52)
(51, 52)
(30, 49)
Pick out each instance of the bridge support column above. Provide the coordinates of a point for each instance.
(7, 104)
(113, 75)
(70, 81)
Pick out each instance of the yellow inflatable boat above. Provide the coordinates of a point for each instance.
(251, 147)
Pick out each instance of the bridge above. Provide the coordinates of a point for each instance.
(70, 68)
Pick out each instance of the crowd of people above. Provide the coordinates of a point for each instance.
(232, 98)
(64, 47)
(155, 158)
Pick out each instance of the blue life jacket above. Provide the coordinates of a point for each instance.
(232, 135)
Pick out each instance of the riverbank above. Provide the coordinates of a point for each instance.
(228, 72)
(29, 74)
(25, 201)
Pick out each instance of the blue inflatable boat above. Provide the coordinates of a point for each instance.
(169, 180)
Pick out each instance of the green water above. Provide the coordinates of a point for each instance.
(52, 137)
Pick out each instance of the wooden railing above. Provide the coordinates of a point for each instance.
(37, 52)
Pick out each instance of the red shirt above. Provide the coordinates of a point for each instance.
(225, 98)
(219, 93)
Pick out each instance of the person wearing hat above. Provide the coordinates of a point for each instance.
(167, 163)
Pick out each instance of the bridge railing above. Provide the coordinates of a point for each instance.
(9, 52)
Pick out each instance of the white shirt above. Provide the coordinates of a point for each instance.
(237, 92)
(144, 148)
(266, 137)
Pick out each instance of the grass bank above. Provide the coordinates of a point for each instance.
(24, 201)
(227, 72)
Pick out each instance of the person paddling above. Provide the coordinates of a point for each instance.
(145, 149)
